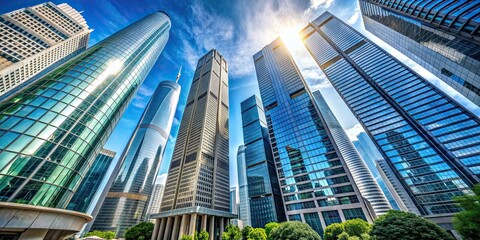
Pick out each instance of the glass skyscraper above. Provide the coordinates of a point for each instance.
(52, 130)
(264, 197)
(82, 199)
(443, 36)
(244, 211)
(430, 141)
(316, 184)
(361, 175)
(126, 203)
(197, 191)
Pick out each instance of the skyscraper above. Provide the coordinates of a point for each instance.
(264, 200)
(35, 39)
(363, 178)
(316, 183)
(429, 140)
(126, 203)
(156, 199)
(53, 129)
(244, 211)
(442, 36)
(197, 191)
(82, 199)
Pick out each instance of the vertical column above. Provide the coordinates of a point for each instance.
(33, 234)
(183, 226)
(222, 226)
(204, 222)
(211, 231)
(161, 231)
(176, 227)
(193, 224)
(155, 229)
(168, 228)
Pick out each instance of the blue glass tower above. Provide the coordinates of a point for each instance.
(126, 203)
(52, 130)
(316, 185)
(430, 141)
(264, 197)
(443, 36)
(82, 199)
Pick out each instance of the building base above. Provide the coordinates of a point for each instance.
(172, 225)
(28, 222)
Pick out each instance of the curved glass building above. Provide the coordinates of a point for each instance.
(244, 209)
(127, 201)
(52, 130)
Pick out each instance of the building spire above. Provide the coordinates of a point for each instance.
(178, 75)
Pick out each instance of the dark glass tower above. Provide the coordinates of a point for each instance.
(88, 188)
(52, 130)
(126, 203)
(443, 36)
(316, 184)
(430, 141)
(265, 200)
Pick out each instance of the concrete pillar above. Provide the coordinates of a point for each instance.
(33, 234)
(168, 229)
(211, 231)
(176, 227)
(155, 229)
(222, 226)
(204, 222)
(161, 230)
(193, 224)
(183, 226)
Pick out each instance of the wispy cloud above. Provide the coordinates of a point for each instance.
(354, 131)
(161, 179)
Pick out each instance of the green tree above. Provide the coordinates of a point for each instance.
(105, 235)
(245, 231)
(186, 237)
(108, 235)
(202, 235)
(294, 230)
(232, 232)
(257, 234)
(467, 222)
(140, 231)
(406, 226)
(333, 230)
(269, 227)
(357, 227)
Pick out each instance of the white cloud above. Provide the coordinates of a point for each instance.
(354, 131)
(355, 16)
(316, 4)
(161, 179)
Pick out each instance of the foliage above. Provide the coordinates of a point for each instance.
(105, 235)
(294, 230)
(269, 227)
(332, 231)
(202, 235)
(343, 236)
(405, 226)
(357, 227)
(257, 234)
(467, 222)
(142, 230)
(232, 232)
(186, 237)
(245, 231)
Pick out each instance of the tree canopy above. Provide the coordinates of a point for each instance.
(245, 231)
(232, 232)
(348, 230)
(202, 235)
(294, 230)
(105, 235)
(467, 222)
(257, 234)
(140, 231)
(406, 226)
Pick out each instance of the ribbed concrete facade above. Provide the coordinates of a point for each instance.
(33, 39)
(197, 191)
(361, 175)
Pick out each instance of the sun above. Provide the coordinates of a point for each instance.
(291, 38)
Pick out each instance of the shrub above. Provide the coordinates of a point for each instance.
(294, 230)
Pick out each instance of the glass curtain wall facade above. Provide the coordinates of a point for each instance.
(82, 199)
(314, 179)
(361, 175)
(244, 211)
(443, 36)
(430, 141)
(264, 196)
(126, 203)
(52, 130)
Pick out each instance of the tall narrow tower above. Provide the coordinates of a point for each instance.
(52, 130)
(197, 191)
(317, 184)
(429, 140)
(126, 203)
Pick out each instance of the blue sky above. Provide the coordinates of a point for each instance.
(238, 29)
